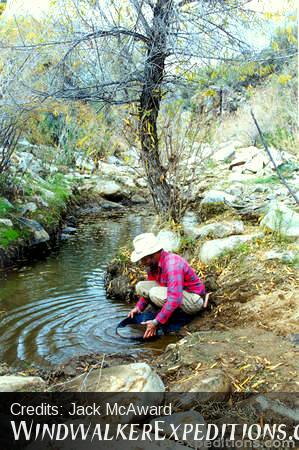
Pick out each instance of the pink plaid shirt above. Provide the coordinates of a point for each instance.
(175, 273)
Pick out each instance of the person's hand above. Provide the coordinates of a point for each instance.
(151, 329)
(133, 312)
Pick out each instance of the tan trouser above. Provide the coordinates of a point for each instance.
(192, 303)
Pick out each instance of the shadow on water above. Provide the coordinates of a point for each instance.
(57, 308)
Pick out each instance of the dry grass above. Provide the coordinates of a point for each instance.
(275, 107)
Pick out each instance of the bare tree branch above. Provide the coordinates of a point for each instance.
(276, 168)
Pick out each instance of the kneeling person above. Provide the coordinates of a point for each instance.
(171, 283)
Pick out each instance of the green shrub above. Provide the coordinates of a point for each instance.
(7, 236)
(4, 207)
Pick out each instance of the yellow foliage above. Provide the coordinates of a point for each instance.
(210, 93)
(284, 78)
(275, 46)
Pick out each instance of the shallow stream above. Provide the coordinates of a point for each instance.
(56, 308)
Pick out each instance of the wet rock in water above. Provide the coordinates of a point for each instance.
(39, 233)
(213, 249)
(203, 386)
(138, 377)
(169, 240)
(178, 420)
(119, 287)
(217, 229)
(136, 198)
(65, 236)
(69, 230)
(281, 219)
(16, 383)
(108, 205)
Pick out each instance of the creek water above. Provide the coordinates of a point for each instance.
(56, 308)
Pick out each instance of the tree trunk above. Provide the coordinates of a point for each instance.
(149, 109)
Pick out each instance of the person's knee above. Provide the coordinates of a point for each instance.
(142, 288)
(157, 294)
(139, 288)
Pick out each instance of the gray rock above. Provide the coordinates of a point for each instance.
(141, 182)
(69, 230)
(224, 153)
(49, 195)
(28, 207)
(204, 386)
(276, 407)
(286, 256)
(114, 160)
(16, 383)
(136, 198)
(107, 188)
(217, 229)
(170, 240)
(6, 222)
(126, 181)
(214, 196)
(281, 219)
(39, 233)
(189, 222)
(64, 237)
(138, 377)
(107, 204)
(217, 247)
(256, 164)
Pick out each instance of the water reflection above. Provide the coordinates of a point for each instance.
(57, 308)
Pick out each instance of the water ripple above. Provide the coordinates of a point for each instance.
(57, 308)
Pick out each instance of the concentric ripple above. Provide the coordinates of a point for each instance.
(57, 308)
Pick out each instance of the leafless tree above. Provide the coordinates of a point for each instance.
(9, 135)
(136, 51)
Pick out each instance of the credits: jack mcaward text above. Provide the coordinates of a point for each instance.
(114, 409)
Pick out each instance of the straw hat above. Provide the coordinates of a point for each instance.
(145, 244)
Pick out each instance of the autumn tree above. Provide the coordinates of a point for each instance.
(132, 52)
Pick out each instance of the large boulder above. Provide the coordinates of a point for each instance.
(203, 386)
(169, 240)
(216, 229)
(214, 196)
(224, 153)
(281, 219)
(107, 188)
(16, 383)
(190, 222)
(138, 377)
(244, 155)
(39, 233)
(217, 247)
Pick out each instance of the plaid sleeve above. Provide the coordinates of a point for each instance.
(175, 277)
